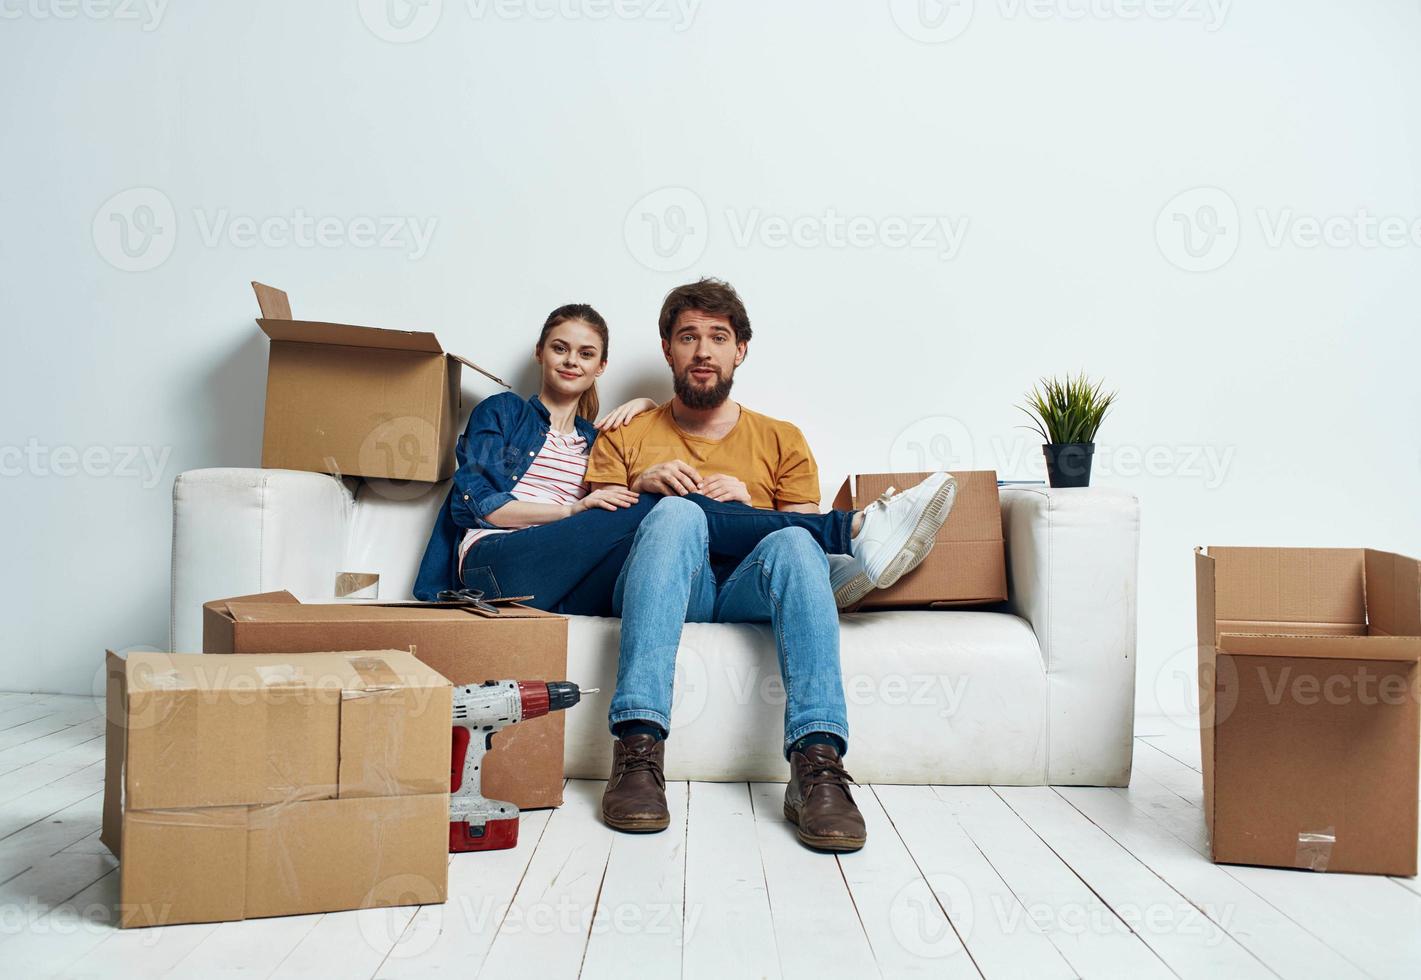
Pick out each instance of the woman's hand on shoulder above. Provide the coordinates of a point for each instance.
(606, 498)
(624, 413)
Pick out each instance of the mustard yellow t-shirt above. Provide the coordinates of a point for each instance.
(769, 456)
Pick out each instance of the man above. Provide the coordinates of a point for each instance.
(702, 442)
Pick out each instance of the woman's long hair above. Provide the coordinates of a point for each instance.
(588, 404)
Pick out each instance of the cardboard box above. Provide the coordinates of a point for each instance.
(525, 765)
(238, 787)
(1309, 688)
(357, 401)
(967, 565)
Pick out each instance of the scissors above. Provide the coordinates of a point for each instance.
(468, 597)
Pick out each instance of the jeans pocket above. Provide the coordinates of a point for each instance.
(481, 577)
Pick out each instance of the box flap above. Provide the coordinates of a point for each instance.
(1393, 592)
(272, 301)
(1208, 673)
(1403, 649)
(349, 335)
(1316, 589)
(220, 606)
(470, 364)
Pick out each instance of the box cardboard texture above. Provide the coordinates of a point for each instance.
(1310, 729)
(967, 565)
(525, 765)
(357, 401)
(238, 787)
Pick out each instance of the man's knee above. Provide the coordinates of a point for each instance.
(794, 545)
(676, 515)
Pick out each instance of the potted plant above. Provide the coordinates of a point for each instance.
(1068, 412)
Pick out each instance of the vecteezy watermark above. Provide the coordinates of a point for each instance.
(136, 230)
(829, 229)
(932, 917)
(1209, 13)
(1207, 923)
(143, 463)
(668, 229)
(943, 442)
(936, 21)
(406, 233)
(1200, 229)
(405, 21)
(400, 21)
(678, 13)
(931, 21)
(391, 931)
(148, 14)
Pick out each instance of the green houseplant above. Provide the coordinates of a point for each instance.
(1067, 411)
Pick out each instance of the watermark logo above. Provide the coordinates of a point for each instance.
(1210, 13)
(143, 463)
(936, 442)
(931, 21)
(678, 13)
(667, 230)
(135, 230)
(401, 21)
(1198, 229)
(404, 233)
(147, 13)
(931, 917)
(934, 232)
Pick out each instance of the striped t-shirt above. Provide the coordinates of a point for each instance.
(555, 476)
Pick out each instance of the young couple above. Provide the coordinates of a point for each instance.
(698, 510)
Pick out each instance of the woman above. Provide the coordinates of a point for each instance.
(520, 521)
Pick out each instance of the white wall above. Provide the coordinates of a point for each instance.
(1059, 133)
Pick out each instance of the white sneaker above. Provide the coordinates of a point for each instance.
(899, 530)
(847, 579)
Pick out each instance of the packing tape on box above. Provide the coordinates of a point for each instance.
(376, 674)
(1315, 849)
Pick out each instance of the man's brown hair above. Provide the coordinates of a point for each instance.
(712, 296)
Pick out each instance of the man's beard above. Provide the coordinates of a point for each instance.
(694, 396)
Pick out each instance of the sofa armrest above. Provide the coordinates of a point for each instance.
(243, 531)
(1072, 565)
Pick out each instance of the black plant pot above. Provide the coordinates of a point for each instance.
(1068, 463)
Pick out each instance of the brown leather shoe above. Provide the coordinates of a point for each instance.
(818, 801)
(635, 798)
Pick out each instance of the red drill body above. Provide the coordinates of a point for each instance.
(477, 823)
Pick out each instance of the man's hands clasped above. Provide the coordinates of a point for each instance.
(678, 478)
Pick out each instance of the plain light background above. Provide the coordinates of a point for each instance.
(1140, 190)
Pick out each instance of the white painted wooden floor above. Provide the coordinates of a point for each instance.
(955, 882)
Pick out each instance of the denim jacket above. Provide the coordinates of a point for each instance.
(500, 442)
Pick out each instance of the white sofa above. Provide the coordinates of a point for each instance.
(1042, 693)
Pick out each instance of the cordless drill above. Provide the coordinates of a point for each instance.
(477, 823)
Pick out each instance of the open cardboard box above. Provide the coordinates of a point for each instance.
(1309, 686)
(462, 643)
(357, 401)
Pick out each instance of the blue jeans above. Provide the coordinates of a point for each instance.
(571, 566)
(783, 579)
